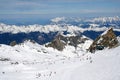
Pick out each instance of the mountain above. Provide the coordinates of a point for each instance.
(89, 22)
(106, 20)
(60, 50)
(41, 38)
(61, 41)
(42, 34)
(106, 40)
(31, 61)
(66, 24)
(82, 20)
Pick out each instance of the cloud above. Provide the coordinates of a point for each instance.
(58, 6)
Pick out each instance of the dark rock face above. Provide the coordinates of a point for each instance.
(57, 44)
(107, 40)
(41, 38)
(60, 41)
(13, 43)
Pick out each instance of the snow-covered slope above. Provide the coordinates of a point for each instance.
(105, 66)
(31, 61)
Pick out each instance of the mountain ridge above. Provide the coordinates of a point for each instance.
(96, 24)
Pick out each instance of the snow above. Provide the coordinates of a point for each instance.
(58, 19)
(31, 61)
(112, 19)
(49, 28)
(40, 28)
(94, 25)
(106, 19)
(99, 41)
(118, 38)
(105, 32)
(85, 45)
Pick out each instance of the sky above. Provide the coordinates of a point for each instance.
(36, 9)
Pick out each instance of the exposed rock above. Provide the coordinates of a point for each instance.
(57, 44)
(61, 41)
(4, 59)
(106, 40)
(13, 43)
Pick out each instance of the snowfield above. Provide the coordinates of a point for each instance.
(29, 61)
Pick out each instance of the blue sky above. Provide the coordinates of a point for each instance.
(29, 9)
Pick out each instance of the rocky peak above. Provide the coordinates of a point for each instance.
(106, 40)
(61, 41)
(57, 44)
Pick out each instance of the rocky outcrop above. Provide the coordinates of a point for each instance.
(61, 41)
(57, 44)
(106, 40)
(13, 43)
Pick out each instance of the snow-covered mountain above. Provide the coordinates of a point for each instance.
(81, 20)
(103, 20)
(107, 39)
(89, 22)
(31, 61)
(45, 33)
(66, 24)
(77, 41)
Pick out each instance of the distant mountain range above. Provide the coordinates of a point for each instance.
(42, 34)
(60, 51)
(87, 22)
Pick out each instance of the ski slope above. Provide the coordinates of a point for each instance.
(29, 61)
